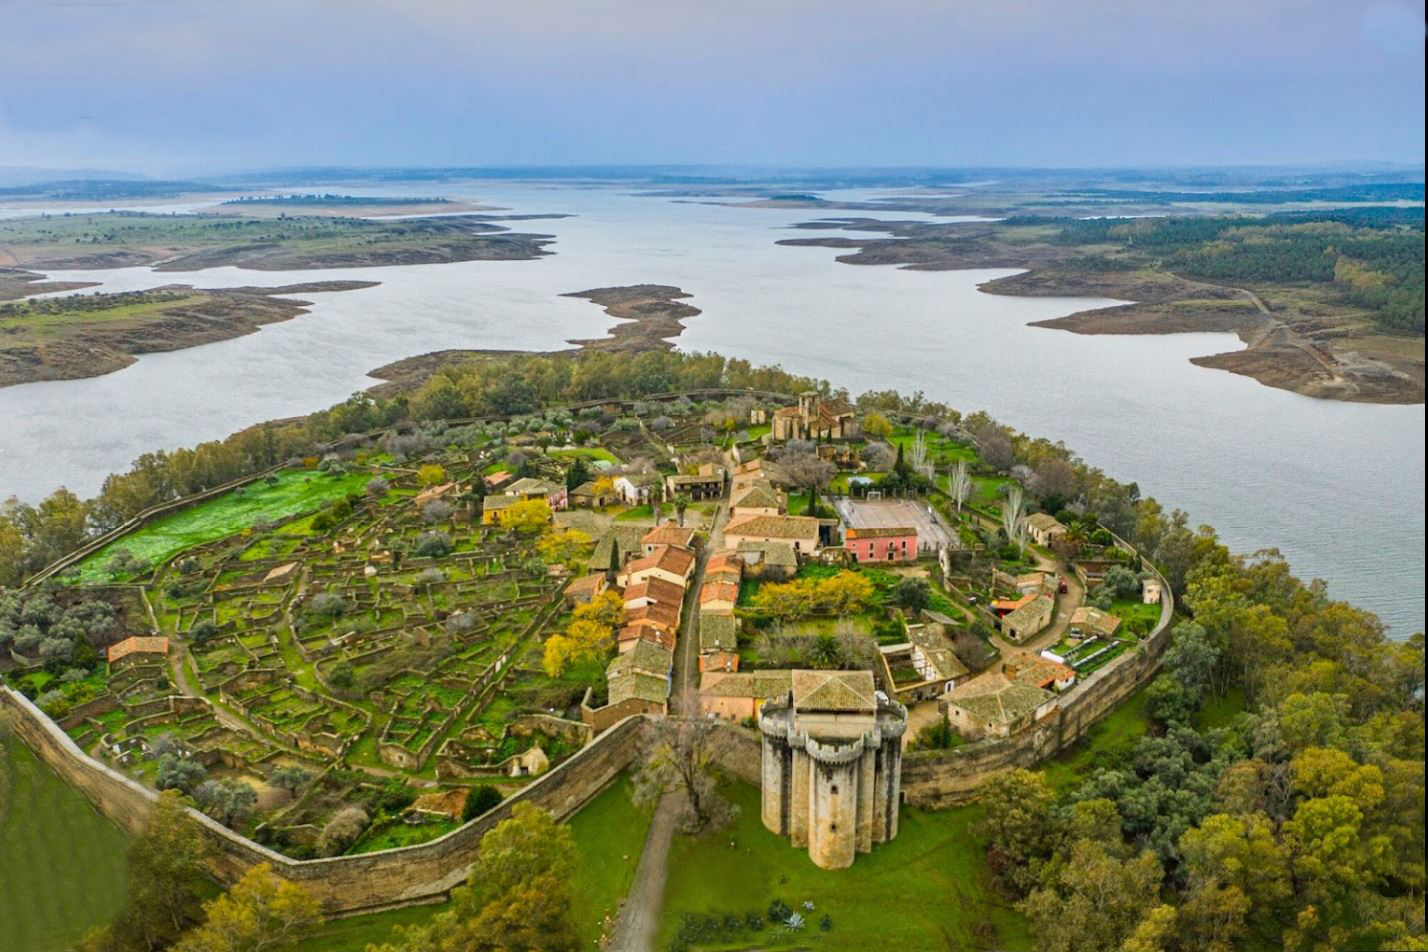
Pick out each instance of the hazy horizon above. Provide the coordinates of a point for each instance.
(161, 88)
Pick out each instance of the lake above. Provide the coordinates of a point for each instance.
(1337, 487)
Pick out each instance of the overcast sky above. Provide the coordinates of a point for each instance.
(170, 86)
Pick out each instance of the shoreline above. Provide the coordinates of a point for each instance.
(1286, 351)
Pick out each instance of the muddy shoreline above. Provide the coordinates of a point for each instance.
(1286, 350)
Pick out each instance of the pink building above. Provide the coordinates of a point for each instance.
(893, 544)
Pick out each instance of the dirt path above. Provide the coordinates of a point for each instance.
(639, 916)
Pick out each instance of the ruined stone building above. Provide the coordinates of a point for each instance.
(815, 418)
(832, 765)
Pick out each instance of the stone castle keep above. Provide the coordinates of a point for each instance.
(832, 765)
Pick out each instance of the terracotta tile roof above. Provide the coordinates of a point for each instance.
(833, 691)
(594, 584)
(1037, 608)
(759, 496)
(656, 588)
(936, 647)
(669, 534)
(774, 527)
(668, 558)
(1102, 623)
(139, 644)
(639, 687)
(646, 631)
(1043, 521)
(531, 486)
(781, 554)
(660, 614)
(646, 657)
(719, 592)
(1036, 671)
(994, 698)
(755, 684)
(879, 532)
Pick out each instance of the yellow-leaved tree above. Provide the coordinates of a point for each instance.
(590, 636)
(430, 474)
(260, 912)
(528, 516)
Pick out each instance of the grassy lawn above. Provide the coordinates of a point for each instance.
(636, 514)
(1220, 711)
(585, 453)
(929, 882)
(609, 833)
(61, 864)
(295, 491)
(1118, 730)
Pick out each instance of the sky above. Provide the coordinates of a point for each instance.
(184, 86)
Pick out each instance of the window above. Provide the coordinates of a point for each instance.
(834, 790)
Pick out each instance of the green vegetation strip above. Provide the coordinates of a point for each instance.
(61, 864)
(295, 491)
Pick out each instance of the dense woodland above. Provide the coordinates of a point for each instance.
(1369, 258)
(1297, 823)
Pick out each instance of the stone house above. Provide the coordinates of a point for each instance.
(760, 499)
(633, 492)
(585, 589)
(668, 534)
(923, 668)
(735, 696)
(708, 483)
(530, 487)
(801, 532)
(1150, 591)
(1088, 622)
(1044, 528)
(718, 641)
(1039, 672)
(668, 562)
(718, 596)
(993, 705)
(138, 649)
(769, 561)
(1029, 620)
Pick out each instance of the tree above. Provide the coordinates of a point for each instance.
(168, 878)
(227, 800)
(260, 912)
(1239, 852)
(518, 895)
(1092, 901)
(527, 517)
(479, 799)
(292, 778)
(1014, 516)
(876, 426)
(577, 474)
(914, 594)
(431, 545)
(808, 471)
(961, 484)
(1154, 933)
(567, 546)
(681, 506)
(681, 763)
(173, 772)
(430, 474)
(342, 830)
(1017, 826)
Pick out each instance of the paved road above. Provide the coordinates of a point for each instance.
(684, 695)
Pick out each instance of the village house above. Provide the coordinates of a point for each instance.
(708, 483)
(634, 492)
(993, 705)
(718, 641)
(590, 495)
(881, 544)
(760, 499)
(653, 590)
(667, 562)
(737, 696)
(432, 494)
(922, 668)
(801, 532)
(668, 534)
(724, 566)
(718, 596)
(138, 649)
(1089, 622)
(624, 538)
(1038, 672)
(637, 683)
(815, 418)
(768, 561)
(585, 589)
(496, 480)
(1150, 591)
(530, 487)
(1029, 620)
(1044, 529)
(493, 506)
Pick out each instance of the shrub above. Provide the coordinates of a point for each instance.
(479, 800)
(202, 631)
(342, 830)
(327, 605)
(179, 773)
(433, 545)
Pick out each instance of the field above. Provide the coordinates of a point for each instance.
(295, 491)
(609, 833)
(933, 875)
(61, 864)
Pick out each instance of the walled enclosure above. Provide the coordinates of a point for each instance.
(343, 884)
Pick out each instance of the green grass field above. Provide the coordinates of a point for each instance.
(62, 868)
(924, 889)
(1120, 729)
(295, 491)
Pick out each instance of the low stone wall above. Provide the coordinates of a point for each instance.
(343, 884)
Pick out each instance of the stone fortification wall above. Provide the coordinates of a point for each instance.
(343, 884)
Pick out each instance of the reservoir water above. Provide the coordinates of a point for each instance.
(1339, 488)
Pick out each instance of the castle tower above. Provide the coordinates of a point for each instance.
(832, 765)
